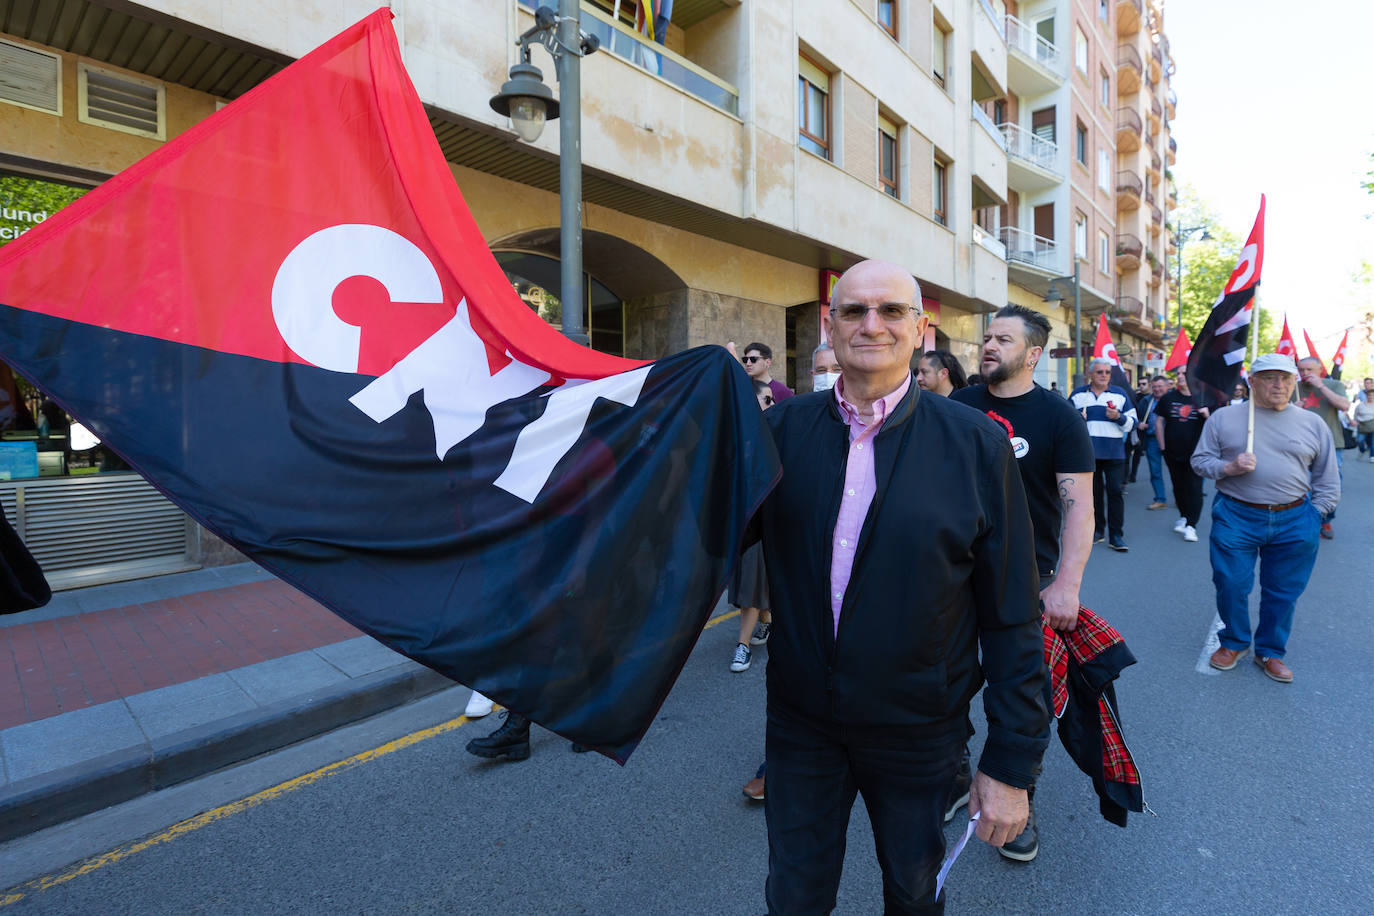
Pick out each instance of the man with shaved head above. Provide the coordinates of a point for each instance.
(898, 544)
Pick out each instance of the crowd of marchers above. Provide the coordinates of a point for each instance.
(932, 547)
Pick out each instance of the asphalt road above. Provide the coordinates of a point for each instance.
(1261, 791)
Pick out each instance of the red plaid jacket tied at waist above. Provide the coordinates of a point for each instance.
(1082, 666)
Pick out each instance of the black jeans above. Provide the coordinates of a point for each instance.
(1108, 513)
(1187, 488)
(815, 768)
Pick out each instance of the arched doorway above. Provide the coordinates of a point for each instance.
(537, 280)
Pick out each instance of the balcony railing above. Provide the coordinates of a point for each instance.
(1128, 56)
(1128, 307)
(1156, 108)
(1128, 16)
(1128, 183)
(1155, 162)
(1029, 248)
(1149, 196)
(1025, 39)
(1129, 119)
(989, 241)
(1129, 246)
(1156, 216)
(982, 118)
(652, 57)
(1027, 146)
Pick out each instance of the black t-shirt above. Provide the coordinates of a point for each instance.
(1182, 424)
(1048, 438)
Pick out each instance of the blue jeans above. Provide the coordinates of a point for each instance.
(1366, 441)
(1156, 472)
(1286, 545)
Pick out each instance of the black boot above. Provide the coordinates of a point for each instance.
(511, 740)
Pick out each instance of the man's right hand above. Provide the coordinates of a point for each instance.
(1243, 464)
(1004, 809)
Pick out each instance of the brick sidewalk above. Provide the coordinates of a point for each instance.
(54, 666)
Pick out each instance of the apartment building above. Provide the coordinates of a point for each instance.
(1079, 192)
(730, 173)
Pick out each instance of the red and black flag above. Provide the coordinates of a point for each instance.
(1219, 352)
(288, 321)
(1338, 361)
(1312, 351)
(1178, 356)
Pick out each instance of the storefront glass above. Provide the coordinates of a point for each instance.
(536, 278)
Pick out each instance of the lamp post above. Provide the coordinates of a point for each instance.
(529, 103)
(1180, 239)
(1054, 296)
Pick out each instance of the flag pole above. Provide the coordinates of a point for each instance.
(1254, 352)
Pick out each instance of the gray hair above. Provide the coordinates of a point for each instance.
(819, 350)
(1100, 361)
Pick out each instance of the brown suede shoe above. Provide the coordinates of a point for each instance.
(1275, 669)
(1156, 505)
(754, 788)
(1225, 659)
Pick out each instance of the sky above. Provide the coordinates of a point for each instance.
(1269, 100)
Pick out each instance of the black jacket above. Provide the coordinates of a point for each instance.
(945, 562)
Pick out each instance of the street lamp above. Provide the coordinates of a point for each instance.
(1180, 239)
(1054, 297)
(529, 103)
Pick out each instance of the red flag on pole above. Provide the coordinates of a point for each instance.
(1287, 346)
(1103, 348)
(1221, 345)
(1338, 361)
(1312, 351)
(1179, 355)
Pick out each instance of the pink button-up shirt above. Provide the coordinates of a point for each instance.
(860, 486)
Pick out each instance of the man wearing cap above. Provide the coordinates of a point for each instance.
(1269, 505)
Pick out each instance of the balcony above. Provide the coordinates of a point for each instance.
(988, 157)
(1171, 104)
(1034, 65)
(1156, 272)
(1172, 150)
(1129, 308)
(1156, 219)
(1128, 70)
(1026, 249)
(1032, 161)
(1156, 62)
(658, 61)
(1128, 188)
(1128, 16)
(1128, 252)
(1156, 112)
(1128, 130)
(1156, 164)
(989, 241)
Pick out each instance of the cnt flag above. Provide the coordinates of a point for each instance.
(344, 385)
(1338, 361)
(1287, 346)
(1104, 348)
(1178, 356)
(1312, 351)
(1218, 354)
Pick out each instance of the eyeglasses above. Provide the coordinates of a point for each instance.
(890, 312)
(767, 400)
(750, 359)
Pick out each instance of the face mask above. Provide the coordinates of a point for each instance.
(824, 382)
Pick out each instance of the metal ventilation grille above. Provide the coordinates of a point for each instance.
(123, 104)
(30, 77)
(96, 521)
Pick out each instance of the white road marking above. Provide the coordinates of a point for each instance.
(1209, 645)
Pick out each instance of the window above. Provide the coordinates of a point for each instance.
(119, 102)
(889, 159)
(1080, 235)
(813, 108)
(940, 40)
(1104, 252)
(1080, 51)
(999, 111)
(1102, 10)
(939, 192)
(1105, 95)
(887, 16)
(1104, 170)
(1080, 144)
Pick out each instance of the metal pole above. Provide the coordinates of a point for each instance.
(569, 66)
(1077, 330)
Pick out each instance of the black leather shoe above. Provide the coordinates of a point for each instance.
(958, 793)
(1025, 846)
(511, 740)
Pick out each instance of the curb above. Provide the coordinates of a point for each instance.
(30, 805)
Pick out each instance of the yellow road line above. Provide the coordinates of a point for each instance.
(119, 853)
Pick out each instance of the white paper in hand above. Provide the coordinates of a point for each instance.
(954, 854)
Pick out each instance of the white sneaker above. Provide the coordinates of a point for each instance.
(1189, 533)
(478, 706)
(1180, 524)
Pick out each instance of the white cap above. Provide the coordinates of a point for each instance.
(1269, 362)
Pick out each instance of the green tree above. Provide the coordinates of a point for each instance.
(1207, 266)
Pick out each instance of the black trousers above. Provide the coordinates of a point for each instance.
(1136, 454)
(1187, 488)
(1109, 513)
(815, 769)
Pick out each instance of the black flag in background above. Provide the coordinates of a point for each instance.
(1221, 347)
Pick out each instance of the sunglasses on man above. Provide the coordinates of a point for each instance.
(750, 359)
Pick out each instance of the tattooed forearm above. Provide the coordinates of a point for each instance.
(1066, 497)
